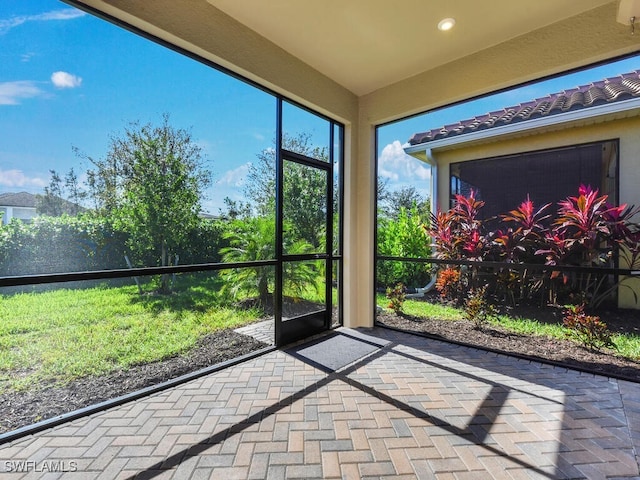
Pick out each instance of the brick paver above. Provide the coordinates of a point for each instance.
(415, 408)
(262, 331)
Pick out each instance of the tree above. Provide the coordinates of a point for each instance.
(61, 198)
(234, 209)
(75, 195)
(305, 206)
(251, 240)
(382, 192)
(51, 202)
(151, 182)
(407, 197)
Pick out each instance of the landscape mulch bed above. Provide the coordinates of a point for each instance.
(493, 337)
(19, 409)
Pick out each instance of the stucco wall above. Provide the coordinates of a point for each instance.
(21, 213)
(626, 130)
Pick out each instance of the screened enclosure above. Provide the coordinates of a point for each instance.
(546, 176)
(182, 218)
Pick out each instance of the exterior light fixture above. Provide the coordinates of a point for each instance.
(446, 24)
(629, 13)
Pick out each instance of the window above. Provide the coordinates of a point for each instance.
(546, 176)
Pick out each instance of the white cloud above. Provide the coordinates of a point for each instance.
(235, 177)
(16, 178)
(63, 14)
(26, 57)
(65, 80)
(397, 166)
(12, 92)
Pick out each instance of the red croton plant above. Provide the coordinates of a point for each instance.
(586, 231)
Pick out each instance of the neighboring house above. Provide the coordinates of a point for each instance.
(208, 216)
(20, 205)
(545, 148)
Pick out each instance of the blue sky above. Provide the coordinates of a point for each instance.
(68, 79)
(401, 170)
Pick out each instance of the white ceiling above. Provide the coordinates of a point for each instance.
(365, 45)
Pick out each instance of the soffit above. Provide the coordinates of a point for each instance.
(365, 45)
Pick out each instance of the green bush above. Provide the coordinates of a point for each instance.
(403, 237)
(60, 244)
(253, 240)
(88, 242)
(203, 242)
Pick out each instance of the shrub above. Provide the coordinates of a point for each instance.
(403, 236)
(396, 296)
(456, 234)
(253, 240)
(60, 244)
(586, 231)
(521, 242)
(89, 242)
(449, 283)
(587, 329)
(203, 242)
(477, 309)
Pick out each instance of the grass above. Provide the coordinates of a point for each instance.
(423, 309)
(627, 345)
(59, 335)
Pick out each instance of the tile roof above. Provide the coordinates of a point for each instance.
(609, 90)
(20, 199)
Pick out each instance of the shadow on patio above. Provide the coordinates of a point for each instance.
(405, 408)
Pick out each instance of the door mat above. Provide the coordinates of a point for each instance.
(335, 351)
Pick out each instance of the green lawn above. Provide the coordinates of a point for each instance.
(56, 336)
(626, 345)
(60, 335)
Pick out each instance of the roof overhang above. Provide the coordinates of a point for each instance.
(587, 116)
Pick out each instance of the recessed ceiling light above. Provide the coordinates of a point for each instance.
(446, 24)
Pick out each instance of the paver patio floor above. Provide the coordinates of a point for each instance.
(414, 408)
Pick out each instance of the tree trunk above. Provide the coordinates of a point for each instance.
(263, 291)
(164, 278)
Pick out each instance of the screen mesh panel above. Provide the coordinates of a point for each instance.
(546, 176)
